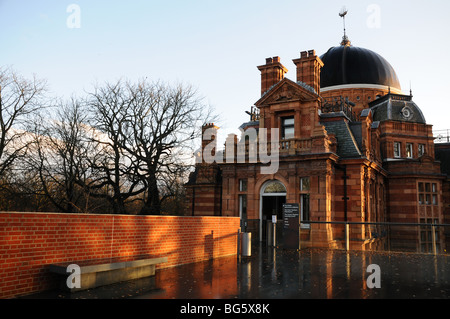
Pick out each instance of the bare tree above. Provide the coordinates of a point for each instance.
(113, 170)
(19, 99)
(161, 125)
(150, 129)
(129, 144)
(172, 190)
(59, 157)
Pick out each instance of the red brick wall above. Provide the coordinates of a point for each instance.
(29, 242)
(206, 200)
(446, 200)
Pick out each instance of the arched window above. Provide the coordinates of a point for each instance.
(274, 187)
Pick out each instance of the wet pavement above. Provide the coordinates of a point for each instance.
(282, 274)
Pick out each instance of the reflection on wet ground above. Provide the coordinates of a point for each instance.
(281, 274)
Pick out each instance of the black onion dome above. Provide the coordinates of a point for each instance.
(347, 64)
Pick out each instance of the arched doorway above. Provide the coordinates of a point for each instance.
(272, 198)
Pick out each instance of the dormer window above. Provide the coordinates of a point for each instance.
(287, 127)
(407, 113)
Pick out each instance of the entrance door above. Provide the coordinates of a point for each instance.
(272, 205)
(273, 196)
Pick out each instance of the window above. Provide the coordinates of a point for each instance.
(242, 185)
(421, 149)
(434, 195)
(305, 184)
(421, 189)
(407, 113)
(397, 148)
(243, 206)
(435, 200)
(243, 211)
(274, 187)
(428, 194)
(305, 187)
(426, 236)
(288, 128)
(305, 210)
(409, 150)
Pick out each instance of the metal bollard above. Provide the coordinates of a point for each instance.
(246, 245)
(347, 237)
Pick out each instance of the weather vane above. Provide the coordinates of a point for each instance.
(342, 14)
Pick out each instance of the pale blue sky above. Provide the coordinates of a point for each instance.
(216, 45)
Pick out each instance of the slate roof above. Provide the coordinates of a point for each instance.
(347, 145)
(391, 106)
(355, 127)
(248, 124)
(306, 87)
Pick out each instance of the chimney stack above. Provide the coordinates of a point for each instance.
(308, 69)
(209, 134)
(271, 73)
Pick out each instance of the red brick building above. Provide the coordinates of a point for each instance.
(352, 148)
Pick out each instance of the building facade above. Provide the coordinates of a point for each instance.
(352, 148)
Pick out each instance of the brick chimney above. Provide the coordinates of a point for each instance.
(209, 142)
(271, 73)
(308, 69)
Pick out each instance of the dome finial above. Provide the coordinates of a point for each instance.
(345, 40)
